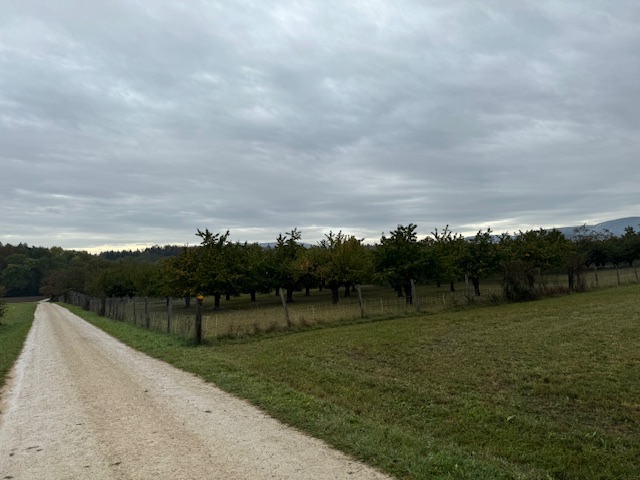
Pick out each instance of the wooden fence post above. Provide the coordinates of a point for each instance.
(466, 284)
(285, 307)
(147, 315)
(199, 319)
(359, 290)
(135, 314)
(414, 295)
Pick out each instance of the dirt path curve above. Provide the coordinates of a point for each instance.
(82, 405)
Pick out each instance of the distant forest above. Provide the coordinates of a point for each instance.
(219, 267)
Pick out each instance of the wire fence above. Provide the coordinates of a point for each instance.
(169, 316)
(179, 316)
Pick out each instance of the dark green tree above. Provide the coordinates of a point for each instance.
(253, 265)
(446, 251)
(480, 258)
(218, 271)
(345, 262)
(286, 271)
(399, 258)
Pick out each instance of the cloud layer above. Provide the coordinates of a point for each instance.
(136, 122)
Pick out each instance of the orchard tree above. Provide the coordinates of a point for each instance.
(306, 268)
(526, 257)
(253, 267)
(398, 259)
(181, 275)
(286, 272)
(345, 262)
(217, 271)
(446, 253)
(594, 247)
(630, 246)
(480, 258)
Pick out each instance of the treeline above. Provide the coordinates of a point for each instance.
(218, 267)
(29, 271)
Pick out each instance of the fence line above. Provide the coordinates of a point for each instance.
(159, 314)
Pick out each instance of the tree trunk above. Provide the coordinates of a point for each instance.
(335, 295)
(290, 294)
(187, 302)
(253, 295)
(476, 285)
(227, 296)
(407, 293)
(216, 301)
(307, 291)
(452, 287)
(399, 290)
(531, 281)
(198, 321)
(347, 290)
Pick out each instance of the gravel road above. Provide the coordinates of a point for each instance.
(81, 405)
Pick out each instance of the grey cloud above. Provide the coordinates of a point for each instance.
(139, 122)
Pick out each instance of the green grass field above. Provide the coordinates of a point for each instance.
(14, 327)
(542, 390)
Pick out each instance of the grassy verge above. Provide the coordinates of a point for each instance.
(14, 327)
(543, 390)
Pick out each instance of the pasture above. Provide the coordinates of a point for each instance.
(539, 390)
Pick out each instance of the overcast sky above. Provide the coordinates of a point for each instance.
(135, 122)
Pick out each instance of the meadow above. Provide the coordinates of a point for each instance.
(539, 390)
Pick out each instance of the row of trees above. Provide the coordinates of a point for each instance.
(219, 267)
(26, 270)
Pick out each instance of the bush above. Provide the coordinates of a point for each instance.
(517, 285)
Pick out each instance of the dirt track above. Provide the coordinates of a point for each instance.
(82, 405)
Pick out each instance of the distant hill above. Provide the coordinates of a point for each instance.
(616, 227)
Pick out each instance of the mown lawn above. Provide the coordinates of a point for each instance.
(14, 327)
(542, 390)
